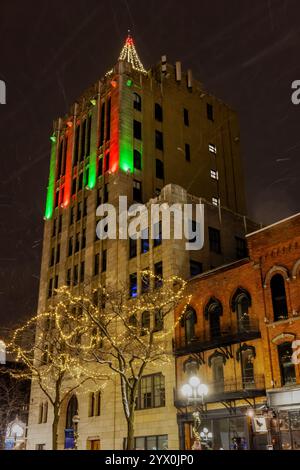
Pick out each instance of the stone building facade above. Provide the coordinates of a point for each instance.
(151, 136)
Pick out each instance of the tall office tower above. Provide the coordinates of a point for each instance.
(153, 136)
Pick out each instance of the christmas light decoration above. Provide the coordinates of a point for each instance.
(68, 175)
(51, 181)
(129, 54)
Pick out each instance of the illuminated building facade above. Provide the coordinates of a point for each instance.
(154, 135)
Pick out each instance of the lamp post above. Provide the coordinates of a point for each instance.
(206, 435)
(75, 421)
(194, 391)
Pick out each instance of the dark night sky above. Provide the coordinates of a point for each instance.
(244, 51)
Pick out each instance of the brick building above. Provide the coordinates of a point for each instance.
(237, 337)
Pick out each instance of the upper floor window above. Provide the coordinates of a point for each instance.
(137, 191)
(133, 285)
(137, 102)
(137, 130)
(158, 273)
(159, 140)
(209, 111)
(213, 311)
(195, 268)
(43, 412)
(280, 310)
(247, 362)
(145, 323)
(187, 152)
(241, 303)
(94, 404)
(157, 234)
(186, 117)
(287, 368)
(132, 247)
(241, 247)
(145, 241)
(151, 393)
(158, 112)
(214, 240)
(159, 169)
(137, 160)
(218, 373)
(214, 174)
(189, 324)
(212, 148)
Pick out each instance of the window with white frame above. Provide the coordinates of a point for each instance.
(214, 174)
(212, 148)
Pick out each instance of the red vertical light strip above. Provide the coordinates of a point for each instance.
(68, 175)
(114, 130)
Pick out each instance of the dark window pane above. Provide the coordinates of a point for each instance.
(186, 117)
(137, 130)
(137, 160)
(133, 285)
(132, 247)
(158, 112)
(214, 240)
(159, 142)
(195, 267)
(209, 111)
(159, 169)
(137, 102)
(187, 152)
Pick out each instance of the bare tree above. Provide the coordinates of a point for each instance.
(50, 362)
(123, 334)
(14, 398)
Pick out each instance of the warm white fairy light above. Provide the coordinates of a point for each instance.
(129, 54)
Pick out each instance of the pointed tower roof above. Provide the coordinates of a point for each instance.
(129, 54)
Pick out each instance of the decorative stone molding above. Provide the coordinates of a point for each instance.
(283, 337)
(276, 269)
(296, 269)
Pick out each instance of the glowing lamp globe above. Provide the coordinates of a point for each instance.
(194, 381)
(202, 389)
(187, 390)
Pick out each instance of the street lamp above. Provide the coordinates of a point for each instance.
(75, 421)
(194, 391)
(206, 435)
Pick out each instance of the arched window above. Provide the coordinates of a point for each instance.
(247, 361)
(137, 102)
(72, 410)
(2, 352)
(218, 373)
(213, 311)
(241, 303)
(280, 310)
(246, 354)
(189, 324)
(145, 322)
(287, 368)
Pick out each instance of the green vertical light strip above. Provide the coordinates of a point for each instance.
(51, 182)
(126, 121)
(92, 170)
(126, 153)
(93, 144)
